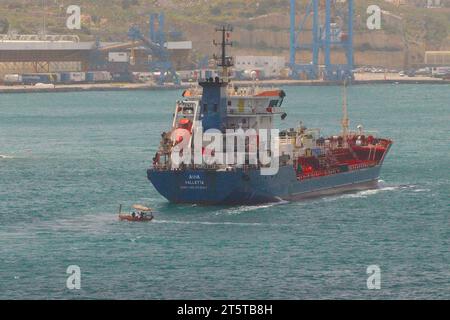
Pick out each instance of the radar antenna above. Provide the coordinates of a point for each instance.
(224, 61)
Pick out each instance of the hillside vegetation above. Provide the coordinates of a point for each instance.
(261, 25)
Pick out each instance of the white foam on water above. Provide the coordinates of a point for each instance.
(210, 223)
(383, 187)
(243, 209)
(136, 238)
(281, 202)
(375, 191)
(362, 194)
(414, 188)
(4, 156)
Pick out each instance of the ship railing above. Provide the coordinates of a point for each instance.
(212, 167)
(248, 167)
(160, 167)
(242, 111)
(253, 111)
(242, 92)
(317, 174)
(363, 165)
(323, 173)
(287, 140)
(249, 90)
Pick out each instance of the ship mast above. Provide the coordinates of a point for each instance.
(345, 119)
(224, 61)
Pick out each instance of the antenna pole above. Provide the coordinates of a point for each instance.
(224, 61)
(345, 119)
(224, 56)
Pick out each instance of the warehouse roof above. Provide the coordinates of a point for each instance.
(14, 45)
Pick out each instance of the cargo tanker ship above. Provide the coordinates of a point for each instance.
(307, 163)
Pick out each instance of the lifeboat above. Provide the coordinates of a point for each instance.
(182, 132)
(185, 124)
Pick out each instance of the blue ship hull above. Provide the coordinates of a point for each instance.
(210, 187)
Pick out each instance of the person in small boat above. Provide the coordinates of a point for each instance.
(142, 215)
(133, 214)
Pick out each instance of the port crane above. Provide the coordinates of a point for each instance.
(154, 43)
(326, 35)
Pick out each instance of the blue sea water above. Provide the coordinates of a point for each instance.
(67, 161)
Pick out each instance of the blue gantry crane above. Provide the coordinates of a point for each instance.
(327, 33)
(156, 42)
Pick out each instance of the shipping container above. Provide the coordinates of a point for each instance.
(12, 79)
(252, 74)
(440, 72)
(122, 77)
(33, 78)
(73, 77)
(285, 73)
(271, 66)
(118, 57)
(179, 45)
(98, 76)
(143, 77)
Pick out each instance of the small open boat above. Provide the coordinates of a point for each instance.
(139, 214)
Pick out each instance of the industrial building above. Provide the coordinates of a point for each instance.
(40, 56)
(270, 66)
(437, 58)
(27, 53)
(58, 53)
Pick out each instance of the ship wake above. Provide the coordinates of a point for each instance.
(210, 223)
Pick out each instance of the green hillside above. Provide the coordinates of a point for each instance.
(113, 17)
(264, 22)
